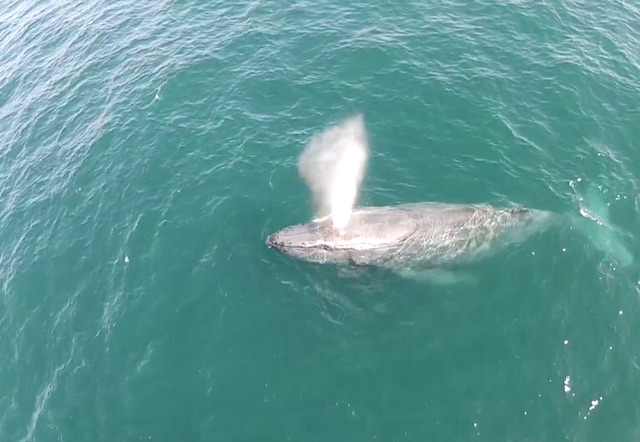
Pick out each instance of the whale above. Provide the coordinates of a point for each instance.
(407, 237)
(411, 236)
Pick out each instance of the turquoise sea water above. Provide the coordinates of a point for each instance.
(148, 148)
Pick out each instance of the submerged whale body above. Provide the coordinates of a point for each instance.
(417, 235)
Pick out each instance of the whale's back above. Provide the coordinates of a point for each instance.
(443, 233)
(409, 235)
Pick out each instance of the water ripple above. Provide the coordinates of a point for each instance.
(147, 148)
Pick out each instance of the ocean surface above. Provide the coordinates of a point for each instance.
(147, 148)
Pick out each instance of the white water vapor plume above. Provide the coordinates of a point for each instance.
(333, 165)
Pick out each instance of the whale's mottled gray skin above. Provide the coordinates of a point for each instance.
(418, 235)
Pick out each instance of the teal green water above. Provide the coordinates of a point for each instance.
(147, 149)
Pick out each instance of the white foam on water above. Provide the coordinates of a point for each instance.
(567, 384)
(333, 165)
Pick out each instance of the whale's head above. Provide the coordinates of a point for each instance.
(314, 242)
(368, 234)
